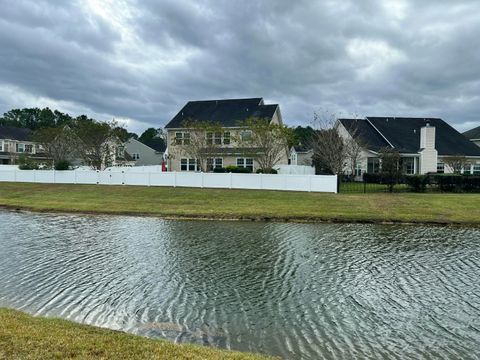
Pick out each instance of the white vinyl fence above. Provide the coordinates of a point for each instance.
(317, 183)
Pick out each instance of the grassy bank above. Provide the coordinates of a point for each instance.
(243, 204)
(25, 337)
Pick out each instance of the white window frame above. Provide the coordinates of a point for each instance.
(182, 138)
(440, 168)
(1, 146)
(246, 135)
(189, 163)
(32, 149)
(227, 139)
(20, 147)
(243, 163)
(476, 169)
(467, 170)
(214, 163)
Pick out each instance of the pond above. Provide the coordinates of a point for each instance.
(299, 291)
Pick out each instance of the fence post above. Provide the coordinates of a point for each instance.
(149, 178)
(174, 179)
(261, 181)
(309, 183)
(75, 176)
(201, 180)
(231, 181)
(123, 177)
(364, 187)
(54, 176)
(14, 175)
(98, 177)
(34, 177)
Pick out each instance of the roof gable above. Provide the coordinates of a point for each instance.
(361, 130)
(473, 134)
(228, 113)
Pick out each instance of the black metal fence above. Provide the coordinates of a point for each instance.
(380, 183)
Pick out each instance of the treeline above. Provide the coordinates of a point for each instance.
(37, 119)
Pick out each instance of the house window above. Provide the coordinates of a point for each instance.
(440, 168)
(373, 165)
(20, 148)
(182, 138)
(217, 138)
(476, 169)
(246, 163)
(358, 170)
(226, 138)
(135, 156)
(466, 170)
(1, 145)
(214, 163)
(29, 148)
(409, 165)
(188, 164)
(246, 135)
(209, 138)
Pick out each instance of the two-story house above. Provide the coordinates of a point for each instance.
(229, 145)
(15, 142)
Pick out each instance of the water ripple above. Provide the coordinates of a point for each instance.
(332, 291)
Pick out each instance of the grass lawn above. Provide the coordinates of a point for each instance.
(243, 204)
(26, 337)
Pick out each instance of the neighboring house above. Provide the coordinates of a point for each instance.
(232, 144)
(150, 153)
(423, 144)
(300, 155)
(15, 142)
(473, 135)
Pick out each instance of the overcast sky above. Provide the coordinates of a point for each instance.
(140, 61)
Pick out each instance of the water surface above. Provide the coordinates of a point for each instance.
(333, 291)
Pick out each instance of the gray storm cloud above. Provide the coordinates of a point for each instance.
(142, 60)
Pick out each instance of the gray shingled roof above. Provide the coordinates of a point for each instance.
(404, 135)
(228, 113)
(156, 145)
(14, 133)
(473, 134)
(364, 132)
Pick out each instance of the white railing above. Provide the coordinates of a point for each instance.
(316, 183)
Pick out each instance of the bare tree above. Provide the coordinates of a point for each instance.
(456, 162)
(329, 148)
(353, 150)
(267, 143)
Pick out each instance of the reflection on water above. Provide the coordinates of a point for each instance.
(299, 291)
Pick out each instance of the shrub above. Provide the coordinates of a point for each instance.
(25, 163)
(62, 165)
(448, 182)
(267, 171)
(417, 183)
(219, 170)
(236, 169)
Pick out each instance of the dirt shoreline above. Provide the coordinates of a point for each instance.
(265, 219)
